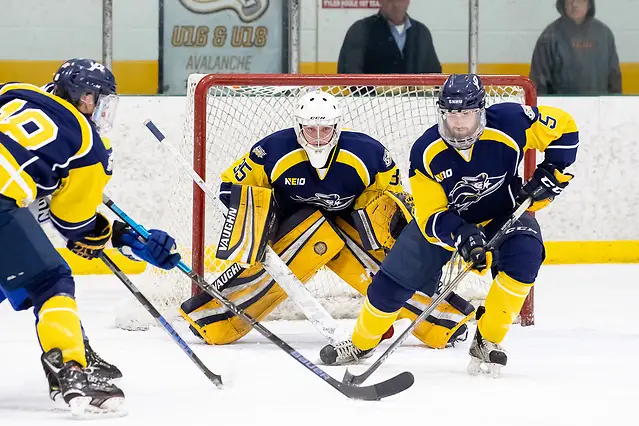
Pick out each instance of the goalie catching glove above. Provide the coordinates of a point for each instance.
(470, 241)
(381, 221)
(156, 250)
(546, 183)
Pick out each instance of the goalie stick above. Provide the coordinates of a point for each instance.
(273, 264)
(389, 387)
(357, 379)
(216, 379)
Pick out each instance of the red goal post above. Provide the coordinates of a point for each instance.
(399, 91)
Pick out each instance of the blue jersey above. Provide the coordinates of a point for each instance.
(47, 147)
(360, 168)
(451, 187)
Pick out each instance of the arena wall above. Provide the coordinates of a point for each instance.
(43, 34)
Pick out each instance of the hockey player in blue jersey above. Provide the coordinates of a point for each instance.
(464, 179)
(340, 204)
(50, 145)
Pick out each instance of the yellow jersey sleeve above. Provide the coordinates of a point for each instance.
(245, 171)
(435, 220)
(554, 132)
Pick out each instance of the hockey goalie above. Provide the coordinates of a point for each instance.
(324, 197)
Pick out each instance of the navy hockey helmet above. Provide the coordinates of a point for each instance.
(462, 110)
(78, 77)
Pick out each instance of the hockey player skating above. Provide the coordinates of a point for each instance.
(50, 144)
(340, 204)
(464, 179)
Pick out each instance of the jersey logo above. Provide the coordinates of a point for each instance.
(295, 181)
(259, 152)
(529, 112)
(443, 175)
(330, 202)
(388, 160)
(472, 189)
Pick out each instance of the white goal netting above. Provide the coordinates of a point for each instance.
(242, 110)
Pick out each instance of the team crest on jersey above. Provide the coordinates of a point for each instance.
(259, 152)
(388, 160)
(472, 189)
(330, 202)
(529, 112)
(247, 10)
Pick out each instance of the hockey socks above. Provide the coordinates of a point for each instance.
(59, 327)
(371, 326)
(503, 302)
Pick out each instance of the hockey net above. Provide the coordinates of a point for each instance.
(227, 114)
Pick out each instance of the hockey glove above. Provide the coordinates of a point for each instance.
(381, 221)
(156, 250)
(91, 245)
(470, 241)
(546, 183)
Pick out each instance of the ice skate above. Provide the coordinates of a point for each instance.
(82, 392)
(486, 357)
(98, 367)
(347, 353)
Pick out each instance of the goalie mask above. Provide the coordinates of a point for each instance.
(461, 110)
(318, 125)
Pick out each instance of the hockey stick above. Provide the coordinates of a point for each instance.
(375, 392)
(446, 290)
(273, 264)
(216, 379)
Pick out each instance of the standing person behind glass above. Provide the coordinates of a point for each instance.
(389, 42)
(576, 54)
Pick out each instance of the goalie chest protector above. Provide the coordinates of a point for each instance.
(353, 166)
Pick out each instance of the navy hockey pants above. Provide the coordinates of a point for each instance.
(31, 269)
(414, 264)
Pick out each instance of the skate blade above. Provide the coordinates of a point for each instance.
(477, 367)
(81, 408)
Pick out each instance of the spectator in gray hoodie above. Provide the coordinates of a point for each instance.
(576, 54)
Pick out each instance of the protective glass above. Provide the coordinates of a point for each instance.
(461, 128)
(104, 113)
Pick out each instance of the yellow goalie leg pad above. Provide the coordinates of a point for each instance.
(433, 335)
(59, 327)
(231, 329)
(310, 243)
(371, 325)
(503, 302)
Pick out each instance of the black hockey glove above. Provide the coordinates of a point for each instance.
(91, 245)
(546, 183)
(471, 242)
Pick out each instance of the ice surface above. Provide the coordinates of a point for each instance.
(577, 366)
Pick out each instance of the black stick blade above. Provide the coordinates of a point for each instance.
(384, 389)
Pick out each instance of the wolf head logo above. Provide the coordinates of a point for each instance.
(472, 189)
(247, 10)
(329, 202)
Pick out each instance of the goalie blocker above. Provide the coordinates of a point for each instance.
(249, 225)
(306, 241)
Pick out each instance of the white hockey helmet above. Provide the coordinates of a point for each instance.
(318, 124)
